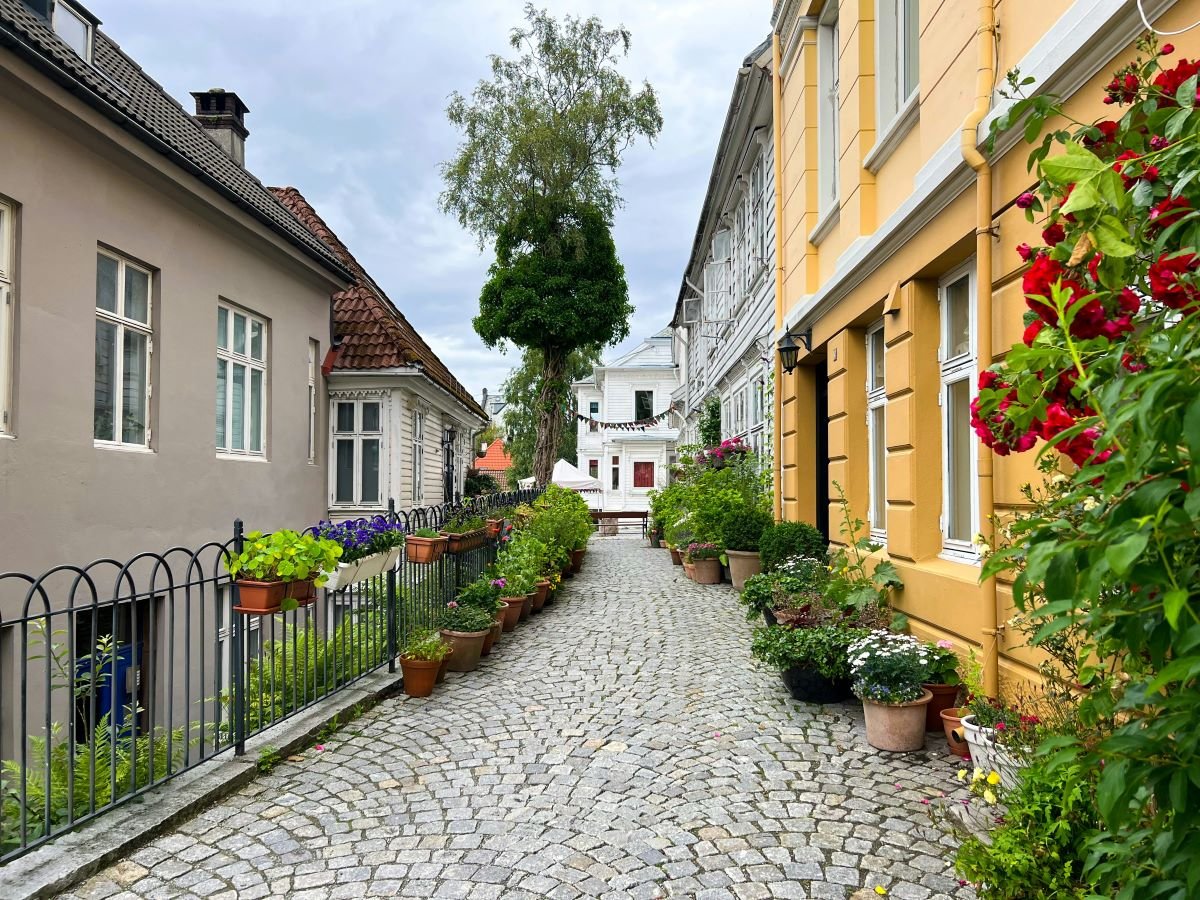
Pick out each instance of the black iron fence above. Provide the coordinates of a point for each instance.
(117, 676)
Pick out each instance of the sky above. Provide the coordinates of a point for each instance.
(347, 103)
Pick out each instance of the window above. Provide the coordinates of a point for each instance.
(957, 362)
(643, 474)
(593, 414)
(418, 456)
(616, 473)
(7, 306)
(876, 437)
(357, 451)
(643, 405)
(594, 468)
(313, 353)
(241, 382)
(121, 404)
(759, 401)
(758, 195)
(828, 107)
(73, 27)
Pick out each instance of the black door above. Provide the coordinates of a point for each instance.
(821, 447)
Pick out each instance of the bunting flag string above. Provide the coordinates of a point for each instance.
(637, 425)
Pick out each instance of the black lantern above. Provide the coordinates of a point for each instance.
(789, 353)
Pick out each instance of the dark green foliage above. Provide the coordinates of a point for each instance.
(823, 649)
(758, 595)
(743, 528)
(477, 483)
(786, 539)
(710, 422)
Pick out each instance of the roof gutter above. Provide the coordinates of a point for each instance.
(14, 42)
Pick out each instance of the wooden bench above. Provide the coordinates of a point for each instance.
(610, 522)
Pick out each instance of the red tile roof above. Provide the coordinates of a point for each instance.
(495, 460)
(374, 333)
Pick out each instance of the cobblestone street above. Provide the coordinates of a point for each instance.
(621, 744)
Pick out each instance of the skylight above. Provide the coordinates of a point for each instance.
(74, 28)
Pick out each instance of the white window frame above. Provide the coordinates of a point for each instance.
(123, 323)
(75, 13)
(758, 187)
(876, 400)
(418, 456)
(233, 358)
(358, 434)
(8, 308)
(615, 468)
(642, 390)
(314, 352)
(593, 413)
(953, 370)
(896, 109)
(828, 113)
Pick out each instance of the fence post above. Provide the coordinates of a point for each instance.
(237, 633)
(391, 600)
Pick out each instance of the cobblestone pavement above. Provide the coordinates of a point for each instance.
(621, 744)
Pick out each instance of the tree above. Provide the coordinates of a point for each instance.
(556, 286)
(521, 391)
(492, 432)
(551, 124)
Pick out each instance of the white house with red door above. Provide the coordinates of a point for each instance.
(628, 436)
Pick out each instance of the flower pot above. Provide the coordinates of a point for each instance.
(303, 592)
(540, 595)
(945, 696)
(676, 559)
(420, 675)
(512, 611)
(371, 566)
(259, 598)
(493, 635)
(444, 666)
(742, 565)
(706, 571)
(655, 540)
(769, 617)
(566, 571)
(810, 686)
(986, 754)
(493, 527)
(898, 727)
(467, 647)
(423, 550)
(527, 605)
(952, 725)
(343, 576)
(393, 559)
(576, 561)
(689, 570)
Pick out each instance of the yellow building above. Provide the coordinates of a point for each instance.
(896, 270)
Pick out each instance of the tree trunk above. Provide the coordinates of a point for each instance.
(550, 414)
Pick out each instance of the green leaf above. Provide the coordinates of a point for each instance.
(1191, 428)
(1111, 237)
(1185, 95)
(1083, 197)
(1073, 166)
(1143, 194)
(1121, 556)
(1173, 603)
(1112, 788)
(1177, 123)
(1061, 577)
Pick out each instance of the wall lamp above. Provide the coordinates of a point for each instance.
(789, 350)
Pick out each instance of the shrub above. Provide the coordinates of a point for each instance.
(785, 539)
(427, 644)
(462, 617)
(482, 593)
(824, 649)
(476, 483)
(758, 595)
(743, 527)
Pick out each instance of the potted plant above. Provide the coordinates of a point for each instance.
(274, 572)
(740, 533)
(705, 558)
(424, 546)
(484, 594)
(888, 669)
(369, 548)
(464, 533)
(813, 662)
(464, 628)
(943, 681)
(420, 661)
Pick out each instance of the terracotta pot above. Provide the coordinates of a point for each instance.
(955, 737)
(676, 559)
(742, 565)
(494, 632)
(566, 572)
(898, 727)
(489, 638)
(706, 571)
(689, 570)
(259, 598)
(512, 611)
(810, 686)
(303, 592)
(424, 550)
(576, 561)
(945, 696)
(655, 540)
(527, 605)
(541, 595)
(444, 667)
(466, 648)
(493, 527)
(420, 675)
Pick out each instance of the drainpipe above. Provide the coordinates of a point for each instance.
(777, 398)
(984, 81)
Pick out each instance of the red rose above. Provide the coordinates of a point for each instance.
(987, 379)
(1025, 200)
(1034, 329)
(1169, 211)
(1121, 167)
(1036, 284)
(1158, 142)
(1129, 302)
(1024, 251)
(1089, 320)
(1165, 285)
(1093, 267)
(1169, 80)
(1167, 50)
(1108, 131)
(1054, 235)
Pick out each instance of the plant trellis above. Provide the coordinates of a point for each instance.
(637, 425)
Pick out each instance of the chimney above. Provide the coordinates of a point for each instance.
(222, 114)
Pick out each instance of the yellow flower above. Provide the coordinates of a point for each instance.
(880, 890)
(989, 795)
(962, 774)
(978, 774)
(993, 778)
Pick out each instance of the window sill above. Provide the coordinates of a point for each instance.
(243, 457)
(121, 448)
(825, 224)
(892, 135)
(960, 555)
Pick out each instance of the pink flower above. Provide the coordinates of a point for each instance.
(1000, 726)
(945, 645)
(452, 605)
(1025, 200)
(319, 748)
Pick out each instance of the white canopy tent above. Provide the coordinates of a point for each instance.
(566, 475)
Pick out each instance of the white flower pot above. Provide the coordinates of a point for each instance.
(342, 576)
(393, 557)
(986, 754)
(370, 566)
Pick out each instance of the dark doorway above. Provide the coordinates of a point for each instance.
(821, 447)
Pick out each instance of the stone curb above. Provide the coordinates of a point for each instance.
(74, 856)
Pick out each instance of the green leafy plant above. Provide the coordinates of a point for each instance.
(462, 617)
(268, 759)
(784, 540)
(710, 422)
(943, 665)
(824, 649)
(427, 644)
(850, 583)
(426, 533)
(284, 556)
(695, 551)
(758, 596)
(743, 527)
(482, 593)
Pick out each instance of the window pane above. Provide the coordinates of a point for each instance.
(878, 511)
(256, 410)
(344, 489)
(370, 417)
(876, 360)
(222, 390)
(137, 295)
(958, 516)
(910, 55)
(312, 423)
(222, 327)
(957, 314)
(104, 406)
(72, 28)
(256, 339)
(643, 402)
(616, 477)
(133, 388)
(106, 283)
(594, 468)
(237, 419)
(370, 471)
(239, 333)
(345, 417)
